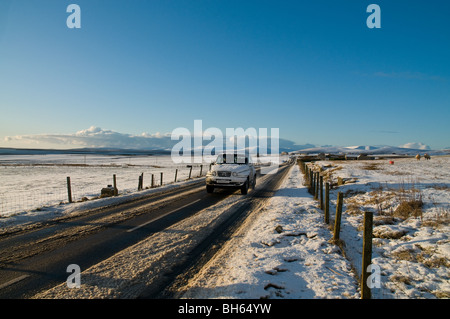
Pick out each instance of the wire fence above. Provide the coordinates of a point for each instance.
(88, 187)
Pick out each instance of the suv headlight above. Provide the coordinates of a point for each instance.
(235, 174)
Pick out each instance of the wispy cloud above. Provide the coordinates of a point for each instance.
(416, 145)
(96, 137)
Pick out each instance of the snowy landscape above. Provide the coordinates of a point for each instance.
(31, 182)
(114, 115)
(285, 251)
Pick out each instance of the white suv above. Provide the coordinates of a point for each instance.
(231, 170)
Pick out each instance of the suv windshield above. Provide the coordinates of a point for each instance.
(232, 159)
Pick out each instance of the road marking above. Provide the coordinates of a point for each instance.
(15, 280)
(172, 211)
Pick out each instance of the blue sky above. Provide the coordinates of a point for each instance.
(313, 69)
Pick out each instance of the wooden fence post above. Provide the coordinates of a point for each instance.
(327, 203)
(201, 169)
(316, 189)
(176, 173)
(140, 182)
(161, 178)
(306, 176)
(315, 185)
(367, 254)
(115, 185)
(153, 181)
(337, 221)
(321, 191)
(190, 171)
(69, 190)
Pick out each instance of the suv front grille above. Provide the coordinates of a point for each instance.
(223, 174)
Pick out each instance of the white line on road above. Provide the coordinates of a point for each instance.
(172, 211)
(13, 281)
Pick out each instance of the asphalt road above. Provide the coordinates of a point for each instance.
(35, 260)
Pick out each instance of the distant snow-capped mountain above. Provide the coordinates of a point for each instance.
(370, 150)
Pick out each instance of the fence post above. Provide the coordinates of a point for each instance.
(69, 190)
(314, 184)
(337, 221)
(176, 173)
(161, 178)
(321, 191)
(190, 171)
(115, 185)
(316, 189)
(153, 181)
(141, 182)
(306, 176)
(327, 203)
(367, 254)
(201, 169)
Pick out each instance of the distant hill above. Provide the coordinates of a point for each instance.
(370, 150)
(292, 149)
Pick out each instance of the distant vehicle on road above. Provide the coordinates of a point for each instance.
(231, 170)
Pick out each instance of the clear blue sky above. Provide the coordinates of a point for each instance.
(313, 69)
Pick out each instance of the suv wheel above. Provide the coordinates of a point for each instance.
(244, 188)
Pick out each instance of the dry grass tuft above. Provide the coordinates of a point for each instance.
(405, 254)
(408, 208)
(372, 167)
(425, 256)
(442, 294)
(401, 278)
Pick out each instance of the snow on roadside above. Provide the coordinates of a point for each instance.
(285, 252)
(412, 250)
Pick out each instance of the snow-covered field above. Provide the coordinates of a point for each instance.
(287, 253)
(30, 182)
(33, 188)
(285, 250)
(411, 204)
